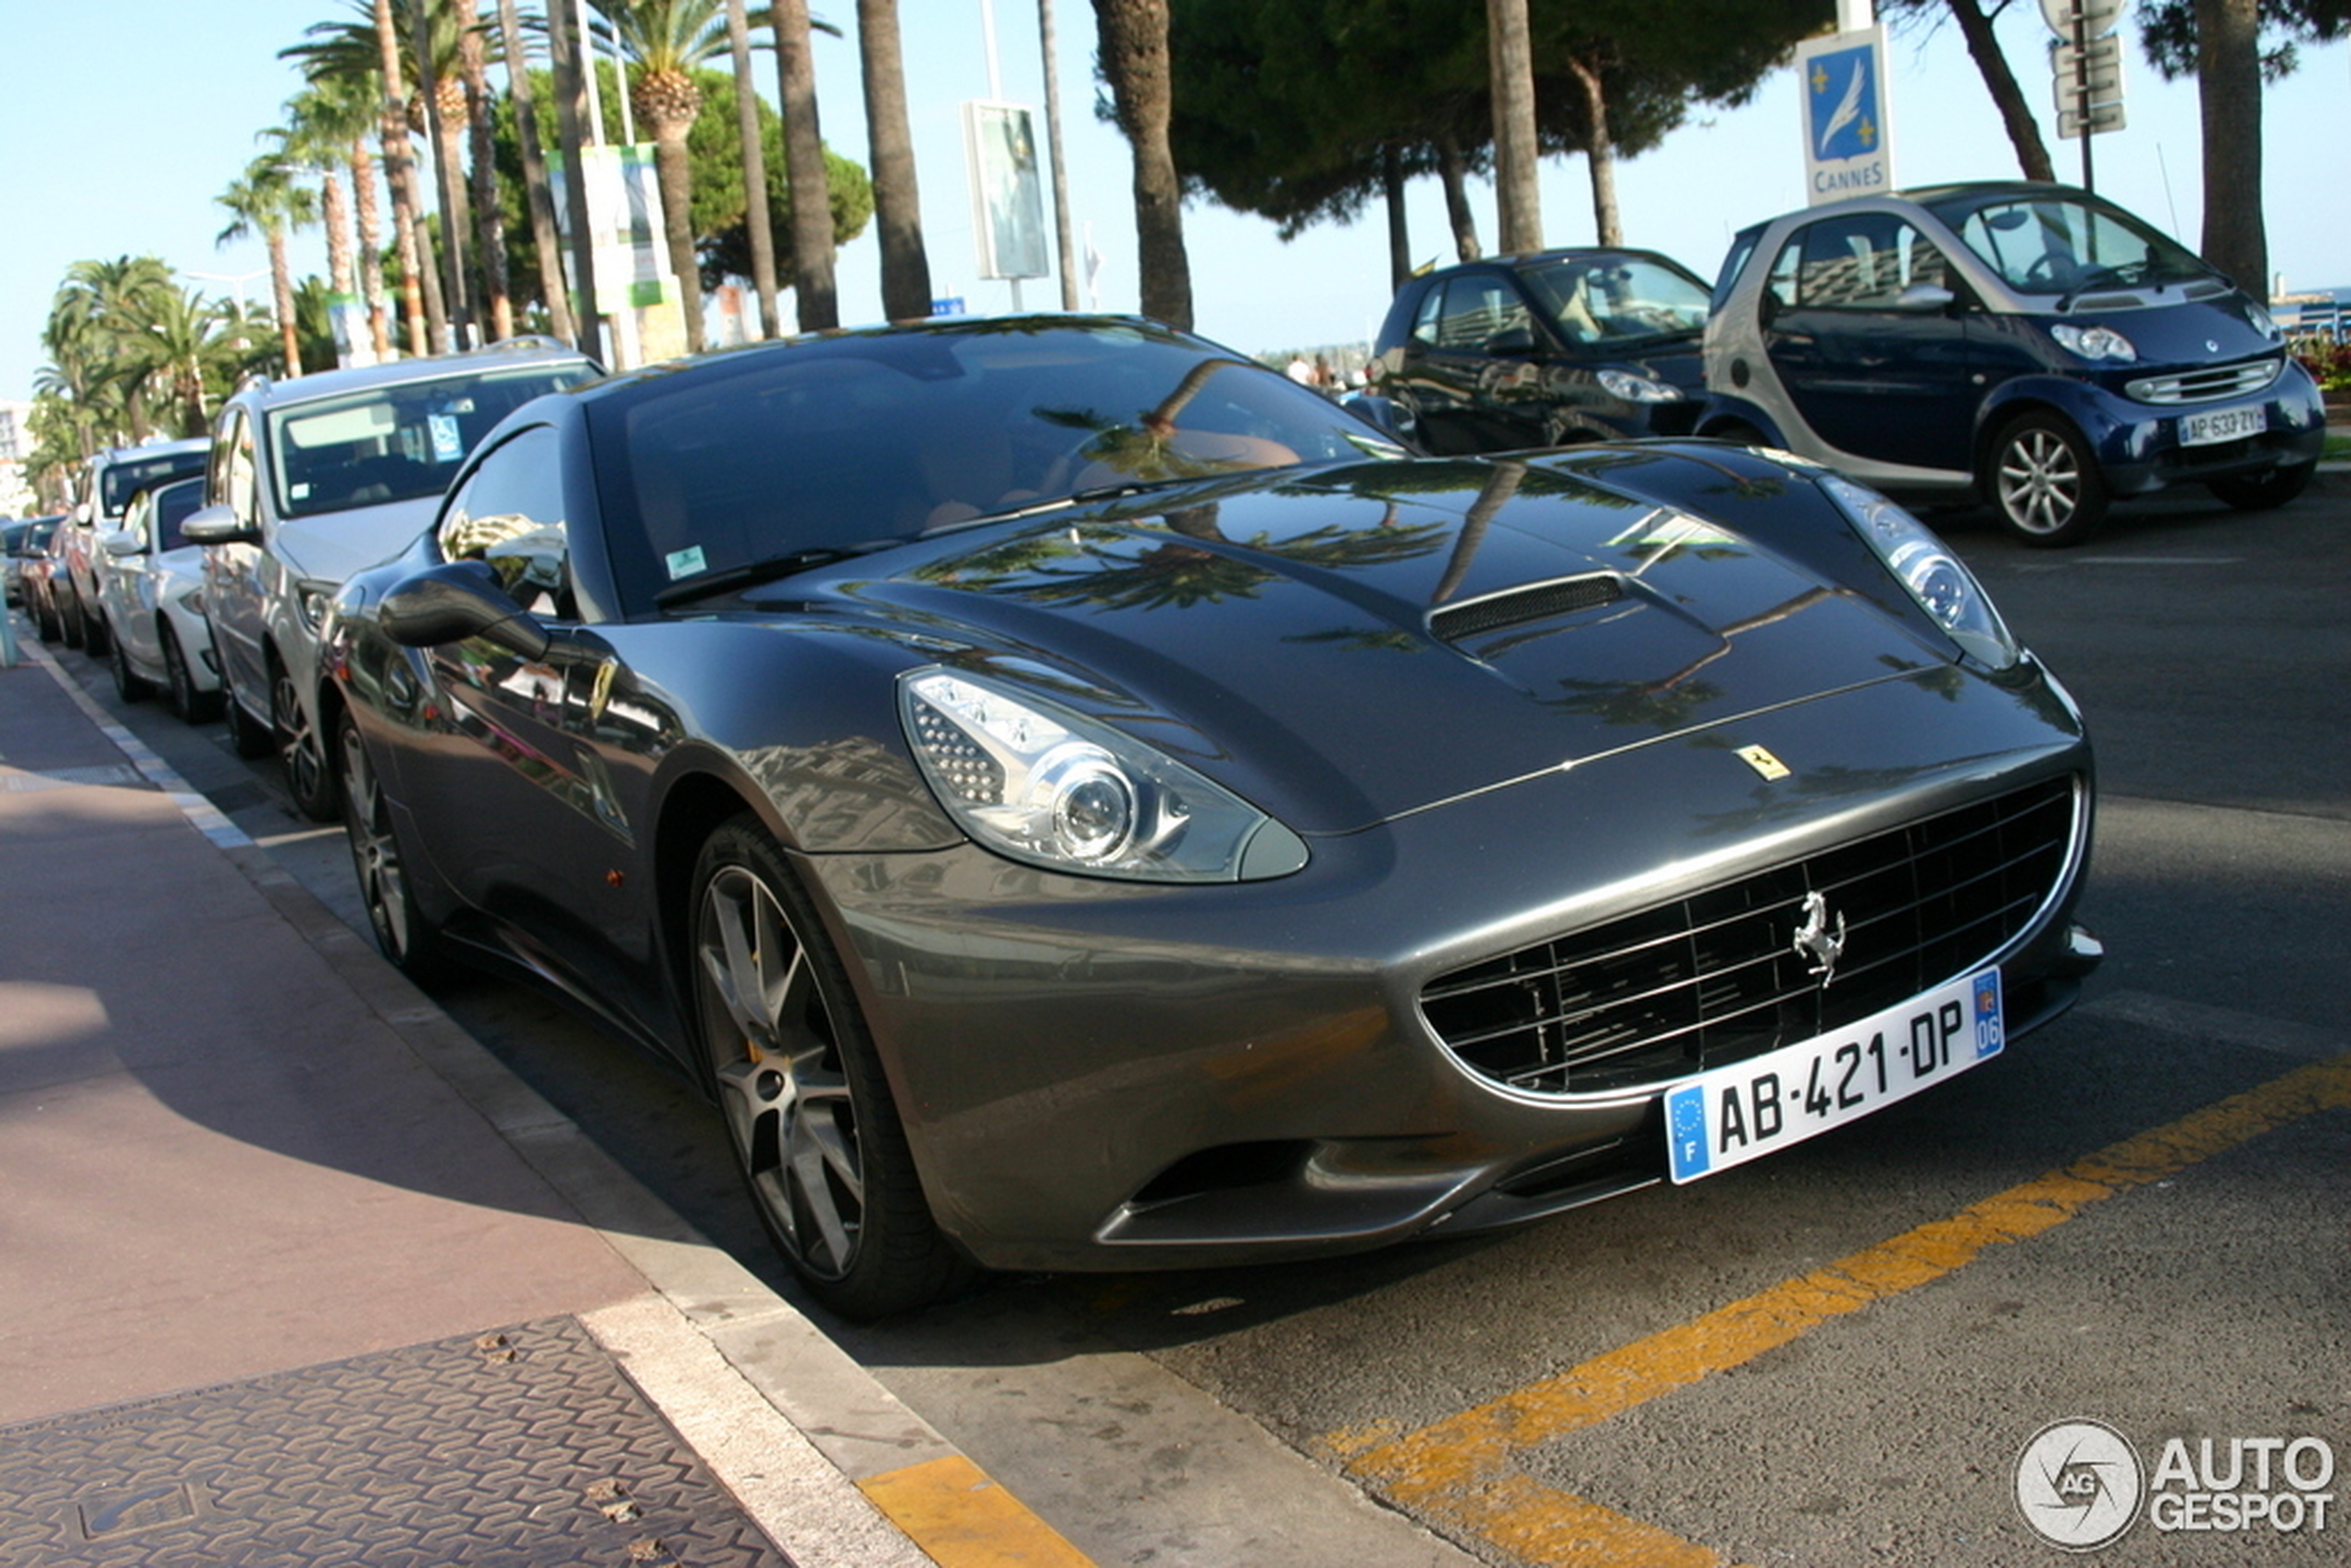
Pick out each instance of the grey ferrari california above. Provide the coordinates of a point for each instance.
(1077, 800)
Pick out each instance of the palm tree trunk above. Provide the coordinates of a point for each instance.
(370, 258)
(1510, 58)
(2024, 133)
(282, 295)
(2228, 87)
(1452, 173)
(1400, 238)
(426, 324)
(335, 213)
(1065, 244)
(816, 304)
(1599, 149)
(897, 206)
(449, 188)
(1133, 41)
(670, 166)
(490, 216)
(758, 227)
(541, 196)
(571, 110)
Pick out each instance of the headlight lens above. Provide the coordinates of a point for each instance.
(1924, 564)
(1031, 781)
(2094, 343)
(315, 599)
(1637, 388)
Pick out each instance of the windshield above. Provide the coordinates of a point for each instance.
(2062, 245)
(120, 480)
(396, 442)
(1614, 300)
(845, 443)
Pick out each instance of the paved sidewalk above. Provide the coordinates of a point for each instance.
(292, 1272)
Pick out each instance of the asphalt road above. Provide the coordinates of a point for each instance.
(2140, 1215)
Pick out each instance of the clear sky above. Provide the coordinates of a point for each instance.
(121, 122)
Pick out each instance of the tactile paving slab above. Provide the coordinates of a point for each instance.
(527, 1448)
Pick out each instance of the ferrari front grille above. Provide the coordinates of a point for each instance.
(1717, 977)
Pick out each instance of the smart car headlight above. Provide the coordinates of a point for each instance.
(1637, 388)
(2094, 343)
(1924, 564)
(1032, 781)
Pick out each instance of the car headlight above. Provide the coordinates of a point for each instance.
(1945, 589)
(2094, 343)
(315, 599)
(193, 601)
(2263, 322)
(1031, 781)
(1637, 388)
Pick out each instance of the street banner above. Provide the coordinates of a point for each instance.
(1008, 200)
(1849, 141)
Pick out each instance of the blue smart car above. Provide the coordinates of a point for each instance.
(2027, 345)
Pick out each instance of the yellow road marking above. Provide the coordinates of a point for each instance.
(962, 1519)
(1457, 1471)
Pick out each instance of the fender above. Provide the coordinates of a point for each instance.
(1724, 410)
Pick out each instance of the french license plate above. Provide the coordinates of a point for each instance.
(2215, 424)
(1760, 1106)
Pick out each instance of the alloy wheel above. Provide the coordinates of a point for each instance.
(2040, 481)
(783, 1083)
(299, 750)
(375, 854)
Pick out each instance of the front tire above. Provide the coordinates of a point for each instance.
(2259, 492)
(801, 1088)
(309, 778)
(128, 684)
(250, 739)
(405, 937)
(2045, 482)
(180, 682)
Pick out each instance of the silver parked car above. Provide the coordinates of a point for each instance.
(312, 479)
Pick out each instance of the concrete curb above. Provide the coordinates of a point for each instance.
(776, 1410)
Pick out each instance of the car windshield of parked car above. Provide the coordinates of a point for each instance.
(847, 444)
(2064, 244)
(1615, 301)
(123, 479)
(393, 442)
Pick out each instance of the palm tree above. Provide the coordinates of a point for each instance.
(539, 192)
(94, 326)
(812, 209)
(897, 206)
(1515, 187)
(189, 351)
(490, 215)
(668, 41)
(329, 121)
(268, 200)
(317, 141)
(755, 223)
(1133, 41)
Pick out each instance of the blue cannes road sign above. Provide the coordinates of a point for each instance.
(1848, 147)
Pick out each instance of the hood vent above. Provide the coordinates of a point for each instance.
(1517, 605)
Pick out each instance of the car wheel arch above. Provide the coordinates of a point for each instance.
(695, 806)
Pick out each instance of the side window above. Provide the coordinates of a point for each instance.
(238, 469)
(1863, 261)
(1477, 310)
(510, 513)
(1781, 283)
(1424, 319)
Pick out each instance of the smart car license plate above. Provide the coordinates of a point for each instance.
(1757, 1107)
(2215, 424)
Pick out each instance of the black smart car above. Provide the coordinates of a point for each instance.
(1546, 350)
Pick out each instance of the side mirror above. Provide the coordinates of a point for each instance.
(1390, 417)
(454, 601)
(1924, 299)
(217, 525)
(119, 542)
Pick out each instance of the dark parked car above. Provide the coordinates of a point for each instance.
(1548, 350)
(1078, 800)
(39, 562)
(2030, 345)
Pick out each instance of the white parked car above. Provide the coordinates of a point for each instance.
(314, 479)
(150, 583)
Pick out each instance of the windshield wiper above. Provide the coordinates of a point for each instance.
(752, 573)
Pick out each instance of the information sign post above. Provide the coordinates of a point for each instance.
(2086, 66)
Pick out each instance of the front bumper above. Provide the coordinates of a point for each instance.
(1098, 1074)
(2138, 443)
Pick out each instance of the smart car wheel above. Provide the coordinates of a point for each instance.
(308, 780)
(128, 684)
(806, 1106)
(2259, 492)
(2045, 482)
(403, 934)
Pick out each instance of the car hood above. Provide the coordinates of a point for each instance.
(2185, 333)
(334, 546)
(1348, 645)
